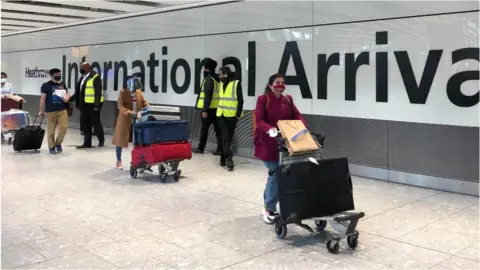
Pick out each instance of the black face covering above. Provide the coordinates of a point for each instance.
(57, 78)
(224, 79)
(82, 72)
(206, 73)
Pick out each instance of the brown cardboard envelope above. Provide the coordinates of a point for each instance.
(297, 137)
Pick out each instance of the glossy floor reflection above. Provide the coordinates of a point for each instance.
(74, 210)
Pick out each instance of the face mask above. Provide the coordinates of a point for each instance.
(279, 88)
(82, 72)
(206, 73)
(57, 78)
(3, 80)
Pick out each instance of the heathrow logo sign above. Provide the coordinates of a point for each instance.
(35, 72)
(417, 86)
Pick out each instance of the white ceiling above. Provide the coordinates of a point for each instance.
(27, 15)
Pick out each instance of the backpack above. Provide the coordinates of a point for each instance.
(267, 105)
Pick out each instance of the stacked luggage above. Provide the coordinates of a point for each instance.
(160, 142)
(313, 188)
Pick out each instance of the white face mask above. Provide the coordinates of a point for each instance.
(3, 80)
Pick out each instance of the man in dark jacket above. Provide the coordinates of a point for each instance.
(90, 101)
(207, 102)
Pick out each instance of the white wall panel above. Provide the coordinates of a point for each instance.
(254, 15)
(413, 37)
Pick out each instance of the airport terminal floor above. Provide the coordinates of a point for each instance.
(75, 210)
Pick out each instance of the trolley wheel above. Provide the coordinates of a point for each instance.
(163, 178)
(176, 176)
(280, 230)
(133, 173)
(333, 246)
(321, 225)
(352, 241)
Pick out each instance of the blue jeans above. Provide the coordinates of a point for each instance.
(270, 195)
(118, 151)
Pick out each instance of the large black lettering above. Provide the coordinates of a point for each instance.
(198, 74)
(117, 66)
(351, 68)
(139, 64)
(418, 94)
(107, 66)
(291, 50)
(236, 64)
(381, 68)
(252, 66)
(323, 66)
(152, 63)
(64, 68)
(180, 89)
(164, 70)
(97, 68)
(72, 67)
(454, 84)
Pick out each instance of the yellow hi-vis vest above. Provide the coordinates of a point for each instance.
(215, 97)
(227, 106)
(90, 91)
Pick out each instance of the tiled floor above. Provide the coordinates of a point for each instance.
(75, 211)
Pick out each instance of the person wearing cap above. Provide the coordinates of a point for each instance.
(130, 104)
(230, 109)
(90, 101)
(207, 103)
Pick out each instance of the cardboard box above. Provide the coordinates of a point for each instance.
(297, 137)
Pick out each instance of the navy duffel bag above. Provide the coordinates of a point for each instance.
(151, 132)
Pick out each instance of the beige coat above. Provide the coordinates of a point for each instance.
(124, 119)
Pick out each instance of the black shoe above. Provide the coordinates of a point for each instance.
(197, 151)
(223, 162)
(217, 153)
(84, 146)
(101, 144)
(230, 164)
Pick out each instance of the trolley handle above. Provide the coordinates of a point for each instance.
(319, 136)
(35, 120)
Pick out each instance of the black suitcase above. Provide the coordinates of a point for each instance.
(307, 190)
(29, 137)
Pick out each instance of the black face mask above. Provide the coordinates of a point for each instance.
(224, 79)
(82, 72)
(57, 78)
(206, 73)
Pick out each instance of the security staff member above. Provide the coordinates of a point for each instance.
(90, 102)
(230, 108)
(207, 102)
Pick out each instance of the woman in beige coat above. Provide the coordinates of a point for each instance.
(130, 104)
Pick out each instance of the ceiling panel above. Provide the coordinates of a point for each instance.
(26, 7)
(119, 6)
(25, 23)
(36, 17)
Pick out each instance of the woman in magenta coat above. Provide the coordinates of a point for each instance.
(271, 107)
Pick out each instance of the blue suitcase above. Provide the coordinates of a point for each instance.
(151, 132)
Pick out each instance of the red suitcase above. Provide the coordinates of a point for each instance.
(160, 152)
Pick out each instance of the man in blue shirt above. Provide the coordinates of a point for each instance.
(53, 102)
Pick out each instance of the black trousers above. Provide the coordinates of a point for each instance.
(91, 118)
(227, 128)
(206, 123)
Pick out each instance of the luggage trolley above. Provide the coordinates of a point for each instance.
(12, 121)
(165, 168)
(343, 223)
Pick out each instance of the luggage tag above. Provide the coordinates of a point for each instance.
(296, 136)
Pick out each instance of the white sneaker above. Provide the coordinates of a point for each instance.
(269, 217)
(119, 165)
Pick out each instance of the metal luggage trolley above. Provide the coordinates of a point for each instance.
(166, 168)
(343, 223)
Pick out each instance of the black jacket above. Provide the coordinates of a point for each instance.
(208, 88)
(239, 96)
(75, 98)
(80, 93)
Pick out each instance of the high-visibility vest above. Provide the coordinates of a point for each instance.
(90, 91)
(228, 104)
(215, 96)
